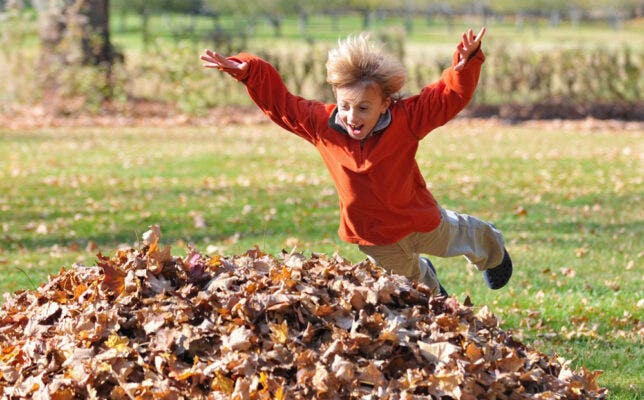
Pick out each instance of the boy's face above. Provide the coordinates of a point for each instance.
(360, 107)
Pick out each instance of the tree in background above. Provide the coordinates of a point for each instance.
(95, 39)
(75, 34)
(75, 31)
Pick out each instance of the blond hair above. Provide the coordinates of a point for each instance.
(357, 59)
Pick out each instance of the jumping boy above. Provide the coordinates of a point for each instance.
(368, 140)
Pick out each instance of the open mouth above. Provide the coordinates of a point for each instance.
(356, 129)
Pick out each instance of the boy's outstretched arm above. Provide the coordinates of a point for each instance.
(213, 59)
(266, 88)
(468, 46)
(440, 101)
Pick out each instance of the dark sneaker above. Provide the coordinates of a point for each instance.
(443, 292)
(499, 276)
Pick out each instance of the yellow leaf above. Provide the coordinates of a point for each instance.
(388, 335)
(9, 353)
(279, 332)
(223, 383)
(104, 367)
(184, 375)
(117, 342)
(279, 393)
(215, 261)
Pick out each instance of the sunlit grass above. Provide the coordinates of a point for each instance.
(568, 201)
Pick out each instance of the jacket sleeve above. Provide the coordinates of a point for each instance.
(441, 101)
(266, 88)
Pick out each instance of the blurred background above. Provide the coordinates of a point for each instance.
(545, 58)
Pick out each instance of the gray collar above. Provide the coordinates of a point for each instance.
(382, 124)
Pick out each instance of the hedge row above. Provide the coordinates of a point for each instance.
(601, 82)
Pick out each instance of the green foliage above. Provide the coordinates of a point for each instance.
(302, 69)
(17, 59)
(173, 74)
(583, 76)
(54, 73)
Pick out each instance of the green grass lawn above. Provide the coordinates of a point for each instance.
(569, 202)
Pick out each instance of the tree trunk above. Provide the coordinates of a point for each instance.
(367, 18)
(75, 33)
(145, 27)
(97, 47)
(70, 23)
(276, 23)
(303, 22)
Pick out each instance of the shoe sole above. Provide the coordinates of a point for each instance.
(499, 276)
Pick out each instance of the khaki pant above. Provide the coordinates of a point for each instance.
(457, 235)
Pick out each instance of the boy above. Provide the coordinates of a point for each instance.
(368, 140)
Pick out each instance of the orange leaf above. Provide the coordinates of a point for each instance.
(63, 394)
(473, 353)
(114, 279)
(511, 363)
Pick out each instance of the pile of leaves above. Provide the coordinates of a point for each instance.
(144, 324)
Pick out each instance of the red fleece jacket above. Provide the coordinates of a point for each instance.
(383, 196)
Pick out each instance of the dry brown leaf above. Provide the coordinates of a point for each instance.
(152, 236)
(438, 353)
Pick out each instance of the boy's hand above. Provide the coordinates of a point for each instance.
(215, 60)
(468, 47)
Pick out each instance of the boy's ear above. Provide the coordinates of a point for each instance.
(386, 104)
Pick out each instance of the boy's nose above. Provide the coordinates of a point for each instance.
(351, 116)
